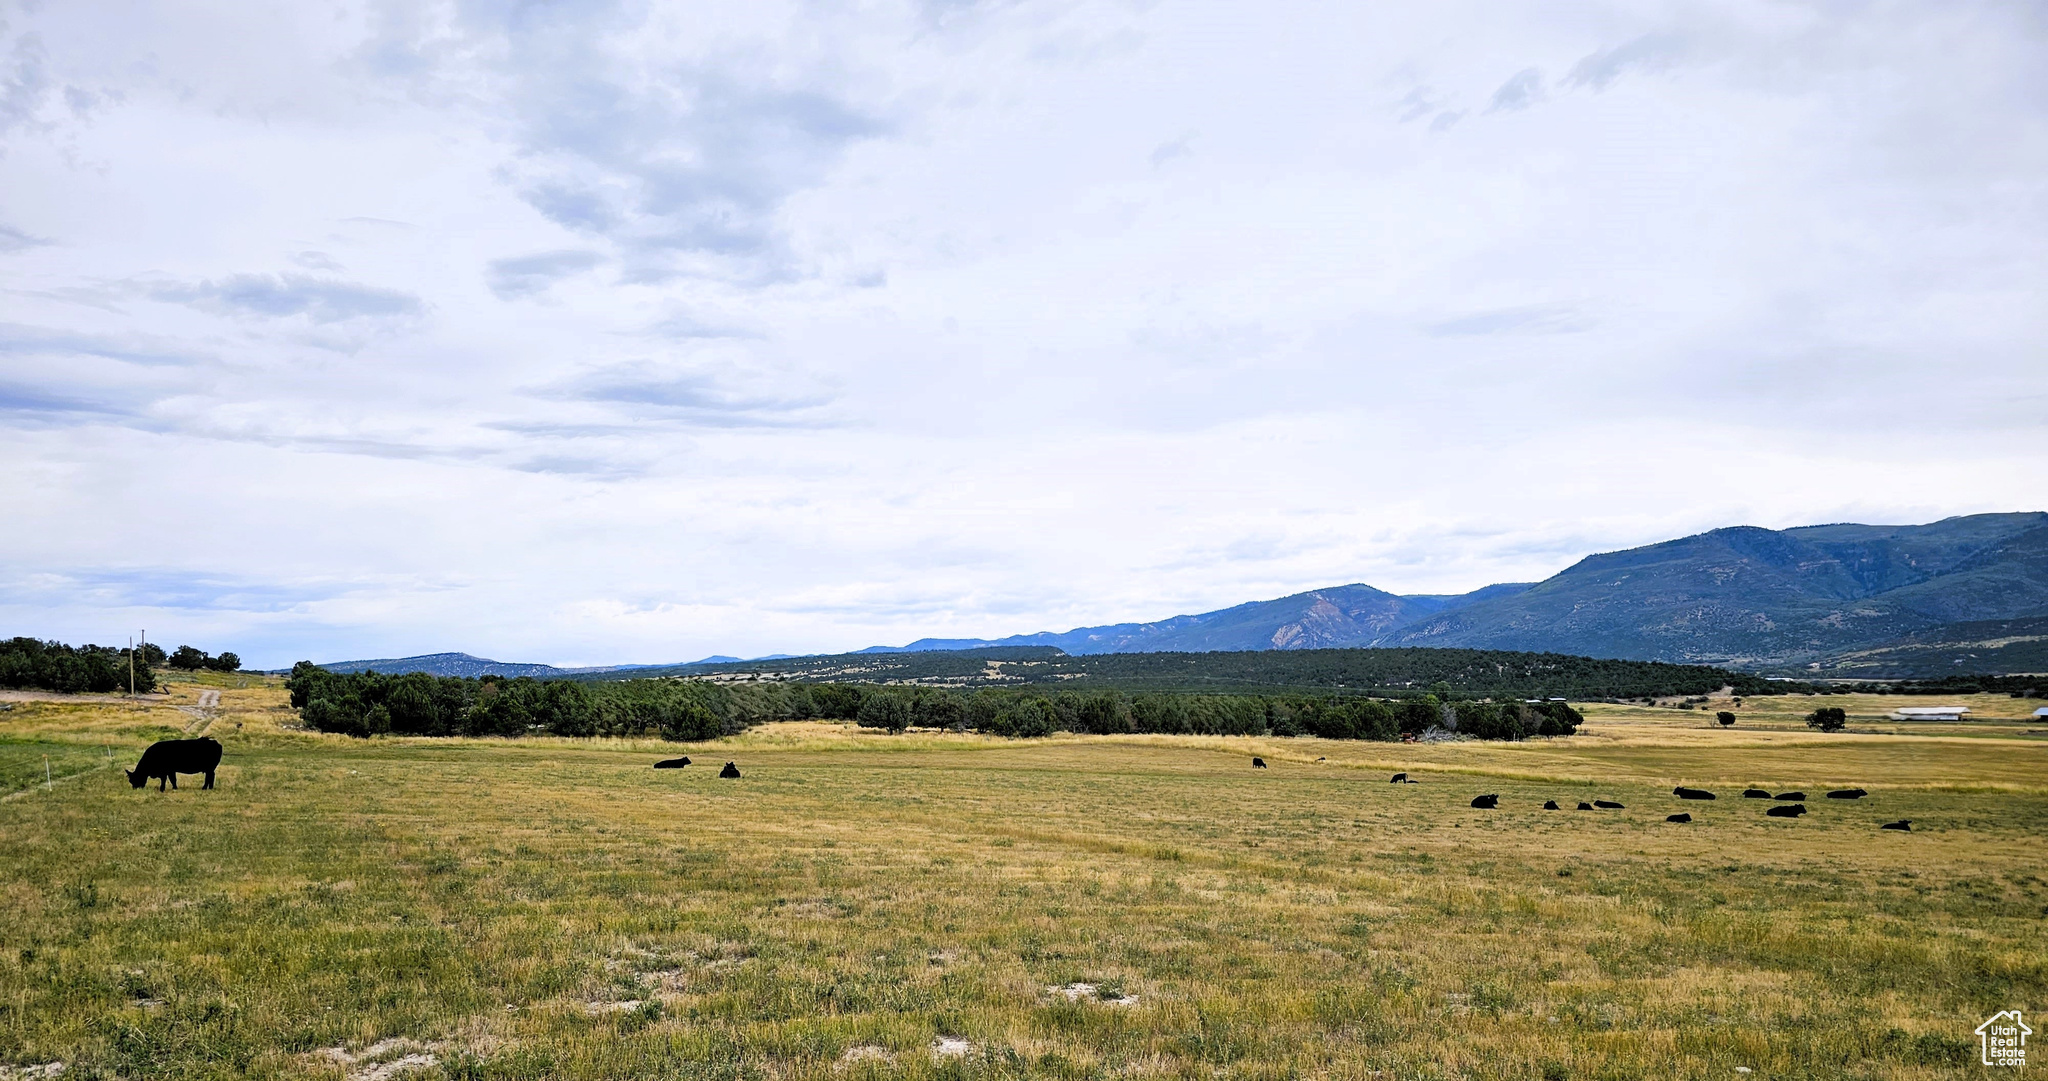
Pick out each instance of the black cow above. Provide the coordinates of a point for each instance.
(1608, 805)
(1755, 793)
(1847, 793)
(1903, 825)
(1486, 802)
(1793, 811)
(730, 770)
(166, 758)
(1679, 817)
(673, 763)
(1683, 792)
(1584, 806)
(1397, 778)
(1550, 805)
(1258, 763)
(1790, 797)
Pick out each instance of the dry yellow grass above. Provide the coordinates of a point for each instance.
(489, 908)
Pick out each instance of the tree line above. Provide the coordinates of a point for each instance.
(374, 703)
(417, 704)
(193, 659)
(1030, 712)
(31, 663)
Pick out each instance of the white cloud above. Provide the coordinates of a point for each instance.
(637, 332)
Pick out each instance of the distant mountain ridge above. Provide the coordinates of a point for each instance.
(1843, 600)
(1331, 618)
(1963, 595)
(1825, 598)
(463, 664)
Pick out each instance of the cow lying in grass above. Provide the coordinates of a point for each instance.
(166, 758)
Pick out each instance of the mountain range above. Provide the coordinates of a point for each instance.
(1335, 617)
(1966, 594)
(1962, 595)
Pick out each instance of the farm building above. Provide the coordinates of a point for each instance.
(1930, 713)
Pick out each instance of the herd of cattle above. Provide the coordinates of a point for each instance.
(1789, 804)
(165, 759)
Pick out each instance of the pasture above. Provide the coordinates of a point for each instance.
(942, 905)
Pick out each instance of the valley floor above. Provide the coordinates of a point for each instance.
(948, 905)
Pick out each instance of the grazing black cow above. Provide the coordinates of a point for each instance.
(1679, 817)
(1683, 792)
(1790, 797)
(1322, 759)
(673, 763)
(1258, 763)
(1397, 778)
(166, 758)
(1486, 802)
(1903, 825)
(1608, 805)
(730, 770)
(1550, 805)
(1755, 793)
(1792, 811)
(1847, 793)
(1584, 806)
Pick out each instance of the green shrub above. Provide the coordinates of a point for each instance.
(1827, 719)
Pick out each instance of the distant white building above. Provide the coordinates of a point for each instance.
(1930, 713)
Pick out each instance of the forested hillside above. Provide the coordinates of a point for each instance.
(1384, 672)
(1334, 617)
(1757, 597)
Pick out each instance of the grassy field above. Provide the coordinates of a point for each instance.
(862, 905)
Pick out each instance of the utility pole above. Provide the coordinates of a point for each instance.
(131, 666)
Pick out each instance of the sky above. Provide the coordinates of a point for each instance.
(595, 333)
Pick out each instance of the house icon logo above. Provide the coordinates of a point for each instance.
(2004, 1039)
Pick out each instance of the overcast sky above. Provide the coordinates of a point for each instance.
(632, 332)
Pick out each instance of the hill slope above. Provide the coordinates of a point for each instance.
(1753, 597)
(1386, 672)
(1331, 618)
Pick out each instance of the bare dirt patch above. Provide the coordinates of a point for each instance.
(383, 1060)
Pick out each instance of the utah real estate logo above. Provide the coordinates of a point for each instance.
(2004, 1039)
